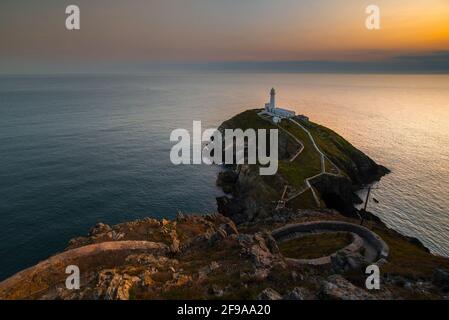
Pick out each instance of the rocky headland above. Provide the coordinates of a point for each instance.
(295, 235)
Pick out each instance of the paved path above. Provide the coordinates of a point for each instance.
(301, 145)
(323, 167)
(323, 157)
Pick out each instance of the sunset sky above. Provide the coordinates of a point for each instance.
(220, 30)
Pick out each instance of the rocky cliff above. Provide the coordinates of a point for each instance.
(209, 257)
(344, 169)
(236, 255)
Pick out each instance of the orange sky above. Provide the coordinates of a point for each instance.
(185, 30)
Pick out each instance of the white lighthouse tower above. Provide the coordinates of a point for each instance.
(272, 99)
(272, 110)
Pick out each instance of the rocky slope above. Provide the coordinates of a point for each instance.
(209, 257)
(251, 196)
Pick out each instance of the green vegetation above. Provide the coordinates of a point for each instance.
(340, 154)
(303, 201)
(329, 167)
(307, 164)
(248, 120)
(334, 146)
(408, 259)
(315, 245)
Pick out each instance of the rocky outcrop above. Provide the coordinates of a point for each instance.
(441, 279)
(337, 193)
(253, 197)
(114, 286)
(53, 269)
(269, 294)
(214, 259)
(338, 288)
(297, 293)
(344, 261)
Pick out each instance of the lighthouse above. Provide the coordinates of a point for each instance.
(272, 110)
(272, 99)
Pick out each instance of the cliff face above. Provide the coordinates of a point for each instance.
(328, 163)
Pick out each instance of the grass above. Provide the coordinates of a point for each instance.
(303, 201)
(248, 120)
(314, 245)
(330, 168)
(407, 259)
(339, 150)
(307, 164)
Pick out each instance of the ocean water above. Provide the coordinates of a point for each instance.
(79, 149)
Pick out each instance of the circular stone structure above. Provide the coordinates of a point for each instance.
(375, 248)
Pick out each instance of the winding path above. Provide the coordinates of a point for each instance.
(323, 159)
(323, 167)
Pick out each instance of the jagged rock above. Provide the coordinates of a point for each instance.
(216, 291)
(395, 280)
(216, 236)
(381, 262)
(344, 261)
(269, 294)
(214, 265)
(99, 228)
(116, 236)
(260, 274)
(223, 204)
(294, 275)
(151, 261)
(226, 180)
(338, 288)
(259, 262)
(229, 228)
(441, 279)
(255, 247)
(146, 279)
(271, 243)
(151, 221)
(114, 286)
(204, 272)
(175, 245)
(296, 294)
(228, 176)
(178, 281)
(180, 216)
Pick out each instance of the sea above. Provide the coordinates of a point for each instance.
(77, 149)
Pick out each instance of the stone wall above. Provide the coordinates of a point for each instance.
(373, 239)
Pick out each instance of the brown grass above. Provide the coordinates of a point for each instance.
(314, 245)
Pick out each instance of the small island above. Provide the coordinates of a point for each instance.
(295, 235)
